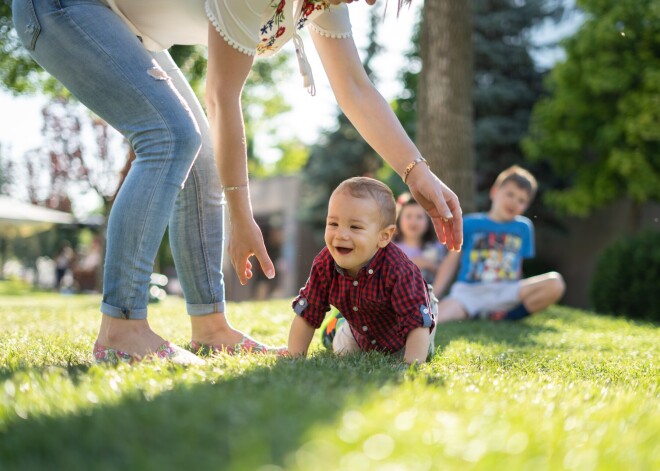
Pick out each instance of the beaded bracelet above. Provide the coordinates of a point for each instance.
(411, 166)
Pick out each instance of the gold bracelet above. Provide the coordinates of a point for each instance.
(232, 188)
(411, 166)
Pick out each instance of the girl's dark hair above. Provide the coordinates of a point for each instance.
(406, 199)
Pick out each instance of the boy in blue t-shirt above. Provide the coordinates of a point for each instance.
(489, 281)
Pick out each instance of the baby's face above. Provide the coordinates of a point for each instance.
(353, 231)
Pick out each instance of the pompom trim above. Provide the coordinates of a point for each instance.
(327, 34)
(230, 41)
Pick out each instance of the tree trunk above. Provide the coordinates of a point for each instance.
(444, 98)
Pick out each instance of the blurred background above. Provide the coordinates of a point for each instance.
(567, 89)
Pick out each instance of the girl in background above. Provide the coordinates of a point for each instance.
(416, 237)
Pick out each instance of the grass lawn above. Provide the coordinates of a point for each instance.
(564, 390)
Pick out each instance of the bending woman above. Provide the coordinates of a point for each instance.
(112, 55)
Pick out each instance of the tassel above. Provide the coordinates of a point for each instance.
(303, 65)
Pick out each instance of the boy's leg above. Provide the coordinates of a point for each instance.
(539, 292)
(344, 342)
(450, 309)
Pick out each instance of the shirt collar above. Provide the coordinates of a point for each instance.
(370, 268)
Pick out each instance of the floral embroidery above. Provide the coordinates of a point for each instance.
(276, 26)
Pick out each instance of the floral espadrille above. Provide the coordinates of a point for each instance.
(166, 351)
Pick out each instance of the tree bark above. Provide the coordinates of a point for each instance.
(444, 98)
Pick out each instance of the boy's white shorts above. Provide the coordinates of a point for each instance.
(481, 298)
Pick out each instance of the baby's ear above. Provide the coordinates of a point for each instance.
(385, 236)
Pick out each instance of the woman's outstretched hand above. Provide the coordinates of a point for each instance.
(246, 240)
(440, 203)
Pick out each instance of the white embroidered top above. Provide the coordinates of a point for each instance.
(254, 27)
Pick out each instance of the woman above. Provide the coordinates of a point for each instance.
(111, 54)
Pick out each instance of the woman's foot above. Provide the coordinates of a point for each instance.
(133, 337)
(131, 341)
(213, 334)
(167, 351)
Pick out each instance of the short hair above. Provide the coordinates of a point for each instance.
(520, 177)
(365, 187)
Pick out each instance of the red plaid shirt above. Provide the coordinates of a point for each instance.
(387, 300)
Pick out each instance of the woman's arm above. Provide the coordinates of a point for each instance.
(376, 122)
(226, 74)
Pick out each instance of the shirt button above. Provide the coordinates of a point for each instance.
(355, 308)
(355, 283)
(371, 272)
(373, 342)
(365, 328)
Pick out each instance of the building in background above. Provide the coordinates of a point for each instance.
(289, 241)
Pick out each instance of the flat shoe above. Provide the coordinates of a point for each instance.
(166, 351)
(246, 345)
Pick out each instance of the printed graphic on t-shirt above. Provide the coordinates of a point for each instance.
(494, 257)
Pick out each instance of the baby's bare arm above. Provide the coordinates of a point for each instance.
(417, 346)
(300, 336)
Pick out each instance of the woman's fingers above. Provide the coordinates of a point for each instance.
(442, 205)
(265, 262)
(456, 226)
(243, 244)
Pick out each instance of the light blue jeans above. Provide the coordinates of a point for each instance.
(173, 180)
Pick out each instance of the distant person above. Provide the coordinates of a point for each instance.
(378, 290)
(87, 268)
(489, 282)
(64, 258)
(416, 238)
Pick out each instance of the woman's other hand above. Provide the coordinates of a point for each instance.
(245, 241)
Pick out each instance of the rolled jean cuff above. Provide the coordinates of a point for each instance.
(123, 313)
(205, 309)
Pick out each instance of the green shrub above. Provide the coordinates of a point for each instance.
(627, 278)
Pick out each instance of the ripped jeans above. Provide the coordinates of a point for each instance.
(173, 180)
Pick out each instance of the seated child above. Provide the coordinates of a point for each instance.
(489, 282)
(415, 235)
(382, 295)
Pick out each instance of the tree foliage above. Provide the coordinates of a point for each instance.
(19, 73)
(75, 157)
(341, 153)
(262, 101)
(627, 277)
(506, 85)
(6, 171)
(600, 125)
